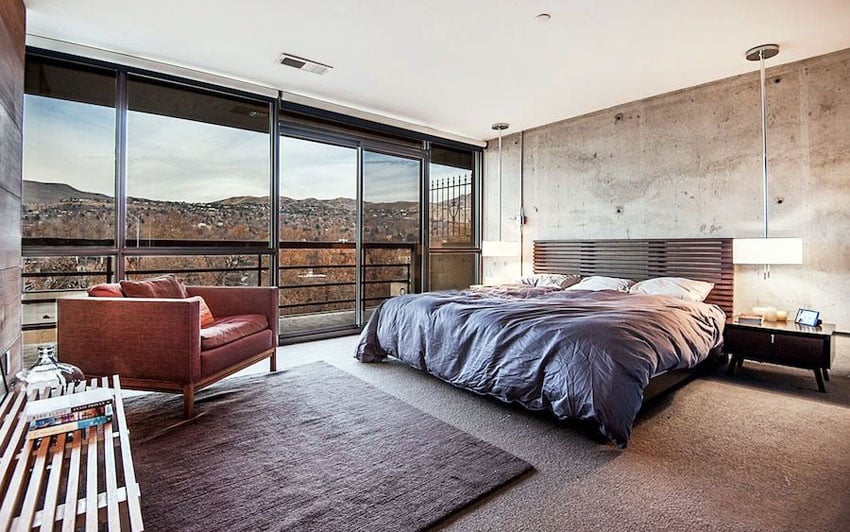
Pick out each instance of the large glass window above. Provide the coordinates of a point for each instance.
(198, 166)
(193, 165)
(69, 155)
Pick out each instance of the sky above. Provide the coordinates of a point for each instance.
(174, 159)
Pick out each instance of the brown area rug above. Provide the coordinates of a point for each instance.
(310, 448)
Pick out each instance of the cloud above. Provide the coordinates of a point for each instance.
(69, 142)
(174, 159)
(390, 178)
(315, 170)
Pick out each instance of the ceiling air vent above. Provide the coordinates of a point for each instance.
(303, 64)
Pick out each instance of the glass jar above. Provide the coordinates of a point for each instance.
(48, 372)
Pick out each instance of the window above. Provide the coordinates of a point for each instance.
(451, 198)
(69, 155)
(391, 204)
(198, 166)
(318, 191)
(453, 260)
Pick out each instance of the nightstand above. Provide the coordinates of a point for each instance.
(785, 343)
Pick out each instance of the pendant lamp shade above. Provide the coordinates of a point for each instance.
(499, 248)
(767, 251)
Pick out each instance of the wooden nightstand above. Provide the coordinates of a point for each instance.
(785, 343)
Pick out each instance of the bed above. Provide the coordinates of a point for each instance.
(584, 355)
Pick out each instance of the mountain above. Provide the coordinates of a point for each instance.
(37, 192)
(242, 200)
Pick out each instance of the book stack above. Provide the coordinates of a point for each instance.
(750, 319)
(66, 413)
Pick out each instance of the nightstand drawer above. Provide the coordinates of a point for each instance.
(752, 343)
(800, 351)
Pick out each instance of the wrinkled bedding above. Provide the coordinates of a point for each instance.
(580, 354)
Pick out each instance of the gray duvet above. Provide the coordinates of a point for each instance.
(580, 354)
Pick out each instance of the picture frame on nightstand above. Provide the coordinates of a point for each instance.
(807, 317)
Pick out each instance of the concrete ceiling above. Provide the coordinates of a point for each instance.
(458, 65)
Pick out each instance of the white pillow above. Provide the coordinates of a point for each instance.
(550, 280)
(677, 287)
(598, 282)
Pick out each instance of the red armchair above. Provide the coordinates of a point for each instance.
(158, 344)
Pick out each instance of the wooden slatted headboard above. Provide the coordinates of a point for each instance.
(703, 259)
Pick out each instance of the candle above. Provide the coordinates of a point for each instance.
(770, 314)
(761, 311)
(781, 315)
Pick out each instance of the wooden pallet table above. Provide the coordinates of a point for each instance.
(82, 480)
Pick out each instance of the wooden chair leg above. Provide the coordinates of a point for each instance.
(188, 401)
(273, 362)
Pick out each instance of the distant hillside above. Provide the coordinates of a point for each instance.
(47, 193)
(36, 192)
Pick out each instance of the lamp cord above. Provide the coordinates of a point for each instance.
(500, 184)
(766, 268)
(764, 137)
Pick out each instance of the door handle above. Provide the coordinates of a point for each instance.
(771, 338)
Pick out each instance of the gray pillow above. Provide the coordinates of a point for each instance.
(598, 282)
(678, 287)
(550, 280)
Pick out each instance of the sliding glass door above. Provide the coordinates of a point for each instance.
(350, 229)
(392, 227)
(318, 235)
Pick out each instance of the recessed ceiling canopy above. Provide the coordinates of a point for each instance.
(457, 66)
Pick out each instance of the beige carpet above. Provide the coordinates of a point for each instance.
(760, 451)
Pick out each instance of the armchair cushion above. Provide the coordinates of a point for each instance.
(207, 317)
(167, 286)
(106, 290)
(231, 328)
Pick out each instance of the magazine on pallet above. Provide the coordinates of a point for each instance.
(79, 404)
(78, 415)
(67, 427)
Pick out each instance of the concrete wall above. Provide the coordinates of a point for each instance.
(688, 164)
(11, 119)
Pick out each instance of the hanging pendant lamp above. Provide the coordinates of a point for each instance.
(765, 250)
(499, 247)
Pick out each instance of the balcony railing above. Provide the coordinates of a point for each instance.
(312, 287)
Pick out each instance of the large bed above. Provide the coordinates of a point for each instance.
(584, 355)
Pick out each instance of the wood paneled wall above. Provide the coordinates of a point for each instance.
(12, 27)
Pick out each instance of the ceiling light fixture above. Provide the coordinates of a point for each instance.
(301, 63)
(765, 250)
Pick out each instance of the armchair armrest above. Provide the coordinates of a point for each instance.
(233, 300)
(152, 339)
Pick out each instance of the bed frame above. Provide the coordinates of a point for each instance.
(703, 259)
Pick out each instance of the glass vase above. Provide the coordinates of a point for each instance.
(47, 372)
